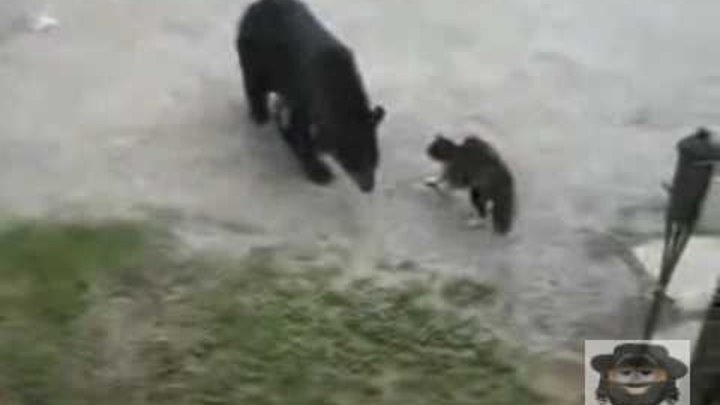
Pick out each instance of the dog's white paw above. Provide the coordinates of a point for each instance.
(432, 181)
(475, 222)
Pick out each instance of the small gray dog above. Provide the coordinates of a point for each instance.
(476, 166)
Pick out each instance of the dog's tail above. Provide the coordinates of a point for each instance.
(504, 207)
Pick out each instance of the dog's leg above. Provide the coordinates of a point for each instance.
(433, 181)
(479, 201)
(438, 183)
(475, 222)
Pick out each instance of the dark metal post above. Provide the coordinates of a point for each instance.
(693, 173)
(705, 371)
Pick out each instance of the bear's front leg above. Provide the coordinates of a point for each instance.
(317, 171)
(301, 143)
(281, 112)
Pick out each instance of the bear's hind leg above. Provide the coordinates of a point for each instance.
(256, 88)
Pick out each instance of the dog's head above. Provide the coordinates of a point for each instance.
(442, 149)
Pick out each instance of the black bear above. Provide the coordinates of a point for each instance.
(477, 166)
(284, 50)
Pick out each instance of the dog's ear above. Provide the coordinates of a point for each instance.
(377, 114)
(702, 133)
(473, 140)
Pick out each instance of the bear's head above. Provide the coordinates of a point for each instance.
(345, 123)
(356, 150)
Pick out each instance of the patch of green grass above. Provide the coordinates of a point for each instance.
(275, 337)
(467, 293)
(47, 271)
(94, 314)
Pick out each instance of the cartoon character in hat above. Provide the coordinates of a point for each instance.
(638, 374)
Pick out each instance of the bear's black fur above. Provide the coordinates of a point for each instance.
(284, 49)
(476, 165)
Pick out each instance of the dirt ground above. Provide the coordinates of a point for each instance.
(136, 106)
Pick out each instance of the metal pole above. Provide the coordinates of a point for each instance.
(705, 370)
(693, 173)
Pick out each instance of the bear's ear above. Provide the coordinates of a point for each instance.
(377, 114)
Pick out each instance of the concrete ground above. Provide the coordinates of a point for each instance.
(137, 105)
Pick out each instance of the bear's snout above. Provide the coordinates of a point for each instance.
(365, 181)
